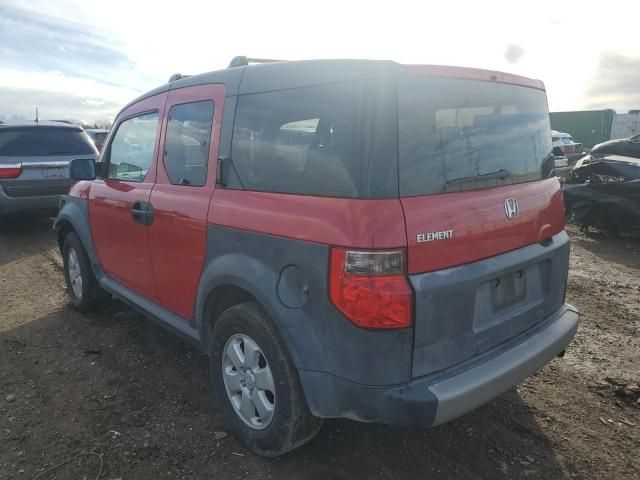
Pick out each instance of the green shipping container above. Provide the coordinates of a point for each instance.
(588, 127)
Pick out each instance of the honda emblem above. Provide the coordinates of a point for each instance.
(511, 207)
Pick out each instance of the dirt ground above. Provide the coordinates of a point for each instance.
(113, 396)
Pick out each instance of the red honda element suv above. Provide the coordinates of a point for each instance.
(343, 238)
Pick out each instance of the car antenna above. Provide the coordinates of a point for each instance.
(36, 115)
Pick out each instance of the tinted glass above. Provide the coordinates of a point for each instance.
(331, 140)
(188, 141)
(43, 141)
(131, 150)
(453, 131)
(99, 137)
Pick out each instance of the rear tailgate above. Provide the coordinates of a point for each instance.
(490, 278)
(487, 251)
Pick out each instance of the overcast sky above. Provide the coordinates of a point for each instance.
(84, 59)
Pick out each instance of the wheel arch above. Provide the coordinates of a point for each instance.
(233, 279)
(74, 217)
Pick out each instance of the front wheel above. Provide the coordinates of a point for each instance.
(256, 383)
(84, 292)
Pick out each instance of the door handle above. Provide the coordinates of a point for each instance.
(142, 213)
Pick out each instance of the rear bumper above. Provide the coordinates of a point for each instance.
(438, 398)
(47, 203)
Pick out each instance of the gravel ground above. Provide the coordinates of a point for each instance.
(113, 396)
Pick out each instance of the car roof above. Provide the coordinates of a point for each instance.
(40, 123)
(280, 75)
(560, 134)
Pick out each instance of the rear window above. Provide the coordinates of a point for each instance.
(331, 140)
(459, 134)
(44, 141)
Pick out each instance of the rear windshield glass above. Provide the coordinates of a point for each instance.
(459, 134)
(330, 140)
(43, 141)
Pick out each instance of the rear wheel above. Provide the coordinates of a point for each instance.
(84, 292)
(256, 383)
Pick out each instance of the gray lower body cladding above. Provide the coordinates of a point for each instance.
(290, 279)
(436, 399)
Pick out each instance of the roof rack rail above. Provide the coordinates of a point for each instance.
(177, 76)
(241, 61)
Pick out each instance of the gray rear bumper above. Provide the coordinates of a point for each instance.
(9, 204)
(467, 390)
(438, 398)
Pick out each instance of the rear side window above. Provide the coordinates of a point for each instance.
(188, 140)
(43, 141)
(330, 140)
(457, 134)
(131, 150)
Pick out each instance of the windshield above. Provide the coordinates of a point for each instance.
(457, 134)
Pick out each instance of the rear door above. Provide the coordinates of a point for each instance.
(119, 212)
(183, 190)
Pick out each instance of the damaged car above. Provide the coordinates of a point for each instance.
(604, 192)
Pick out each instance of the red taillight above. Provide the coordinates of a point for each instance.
(370, 288)
(10, 170)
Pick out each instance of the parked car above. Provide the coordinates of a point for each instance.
(343, 238)
(34, 164)
(604, 192)
(629, 147)
(98, 136)
(569, 147)
(561, 166)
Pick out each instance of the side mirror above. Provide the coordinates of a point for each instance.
(82, 169)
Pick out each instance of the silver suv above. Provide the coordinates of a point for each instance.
(34, 164)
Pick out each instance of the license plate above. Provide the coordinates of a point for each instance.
(508, 289)
(55, 172)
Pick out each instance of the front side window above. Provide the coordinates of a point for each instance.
(330, 140)
(131, 150)
(188, 140)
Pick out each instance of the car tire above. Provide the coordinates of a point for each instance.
(245, 328)
(84, 291)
